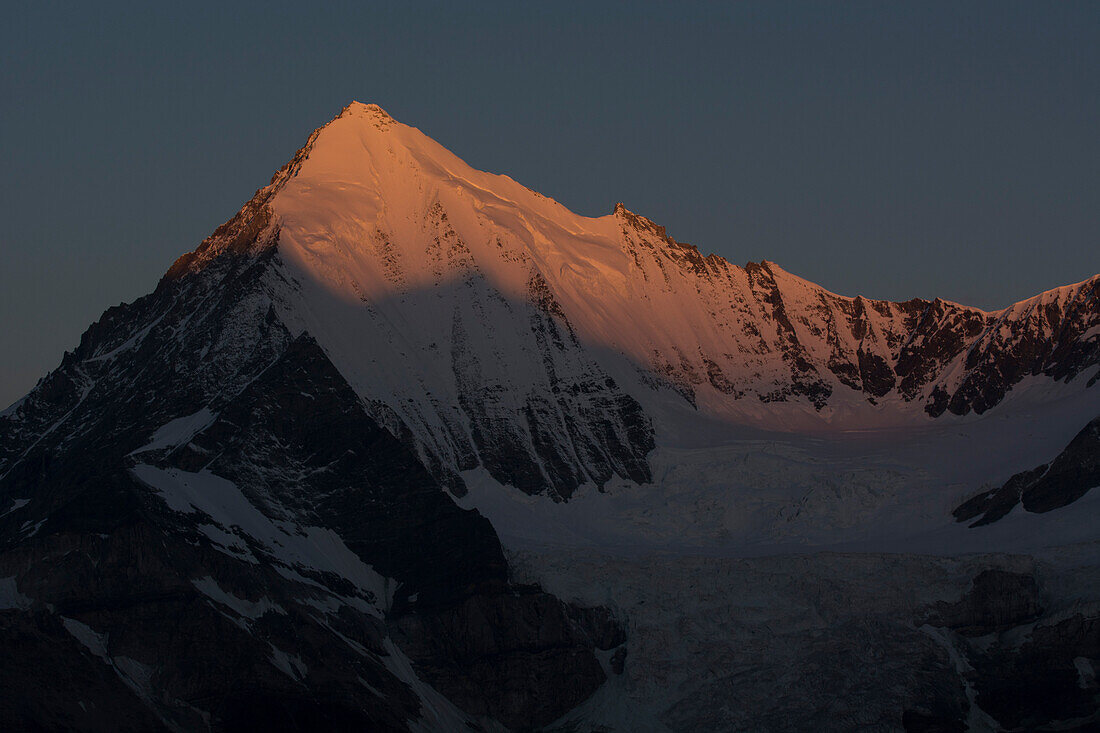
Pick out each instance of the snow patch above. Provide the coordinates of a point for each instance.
(314, 549)
(178, 431)
(289, 664)
(977, 719)
(16, 505)
(437, 713)
(89, 637)
(248, 609)
(10, 597)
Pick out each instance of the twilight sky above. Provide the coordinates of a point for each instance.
(887, 149)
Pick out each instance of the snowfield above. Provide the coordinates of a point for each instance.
(728, 491)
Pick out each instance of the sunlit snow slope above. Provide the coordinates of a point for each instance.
(498, 332)
(498, 328)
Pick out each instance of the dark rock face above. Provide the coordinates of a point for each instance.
(919, 721)
(599, 625)
(1045, 335)
(1027, 668)
(488, 643)
(1051, 486)
(939, 335)
(578, 426)
(618, 660)
(298, 443)
(875, 374)
(181, 635)
(1039, 682)
(1070, 475)
(44, 665)
(915, 348)
(1046, 338)
(993, 505)
(805, 379)
(997, 600)
(301, 540)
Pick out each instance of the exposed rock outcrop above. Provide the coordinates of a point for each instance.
(1050, 486)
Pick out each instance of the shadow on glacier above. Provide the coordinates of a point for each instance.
(500, 391)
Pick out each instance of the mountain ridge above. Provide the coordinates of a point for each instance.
(314, 461)
(376, 112)
(375, 234)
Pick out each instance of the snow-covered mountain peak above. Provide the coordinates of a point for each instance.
(465, 306)
(364, 153)
(365, 108)
(371, 115)
(270, 428)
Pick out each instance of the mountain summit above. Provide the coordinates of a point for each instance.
(338, 455)
(483, 301)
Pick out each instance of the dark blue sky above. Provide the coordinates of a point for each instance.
(884, 149)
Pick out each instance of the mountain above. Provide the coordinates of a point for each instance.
(485, 300)
(351, 459)
(1050, 486)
